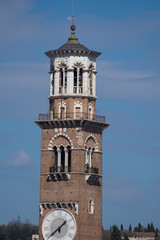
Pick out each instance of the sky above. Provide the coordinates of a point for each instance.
(127, 33)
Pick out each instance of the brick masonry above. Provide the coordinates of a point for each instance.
(76, 189)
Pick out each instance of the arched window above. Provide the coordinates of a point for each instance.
(78, 80)
(91, 83)
(62, 158)
(63, 80)
(75, 80)
(69, 159)
(90, 112)
(89, 168)
(53, 86)
(80, 77)
(77, 109)
(54, 168)
(62, 110)
(91, 206)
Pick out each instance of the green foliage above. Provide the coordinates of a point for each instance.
(121, 227)
(140, 228)
(15, 230)
(130, 228)
(150, 228)
(156, 232)
(126, 236)
(115, 234)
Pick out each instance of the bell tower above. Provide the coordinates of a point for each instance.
(71, 147)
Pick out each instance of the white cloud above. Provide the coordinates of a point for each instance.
(18, 159)
(114, 81)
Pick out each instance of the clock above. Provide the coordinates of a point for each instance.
(59, 224)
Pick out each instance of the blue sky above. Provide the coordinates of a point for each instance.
(127, 33)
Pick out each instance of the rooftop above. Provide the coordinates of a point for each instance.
(72, 46)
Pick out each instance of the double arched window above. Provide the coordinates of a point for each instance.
(62, 159)
(88, 160)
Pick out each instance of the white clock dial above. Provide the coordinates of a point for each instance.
(59, 224)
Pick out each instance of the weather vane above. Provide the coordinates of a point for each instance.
(72, 17)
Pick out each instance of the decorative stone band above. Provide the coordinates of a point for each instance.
(82, 149)
(71, 205)
(51, 143)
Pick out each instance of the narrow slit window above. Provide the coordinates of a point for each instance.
(91, 206)
(75, 77)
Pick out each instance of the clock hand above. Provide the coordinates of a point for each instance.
(53, 232)
(58, 229)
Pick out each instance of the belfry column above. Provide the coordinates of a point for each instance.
(63, 85)
(56, 82)
(66, 159)
(86, 160)
(85, 83)
(90, 158)
(59, 160)
(77, 80)
(51, 84)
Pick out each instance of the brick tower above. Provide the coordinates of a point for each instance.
(71, 147)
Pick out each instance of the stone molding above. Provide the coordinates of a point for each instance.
(46, 205)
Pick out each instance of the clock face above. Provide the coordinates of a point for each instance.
(59, 224)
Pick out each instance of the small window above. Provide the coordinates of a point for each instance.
(91, 206)
(78, 112)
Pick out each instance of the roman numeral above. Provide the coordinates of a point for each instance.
(59, 212)
(72, 227)
(70, 235)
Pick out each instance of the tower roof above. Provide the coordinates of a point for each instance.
(72, 46)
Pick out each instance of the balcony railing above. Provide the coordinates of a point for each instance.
(56, 169)
(77, 89)
(91, 170)
(71, 115)
(63, 90)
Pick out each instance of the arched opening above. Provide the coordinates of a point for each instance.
(90, 112)
(78, 80)
(63, 80)
(77, 109)
(62, 110)
(69, 158)
(91, 206)
(62, 160)
(90, 83)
